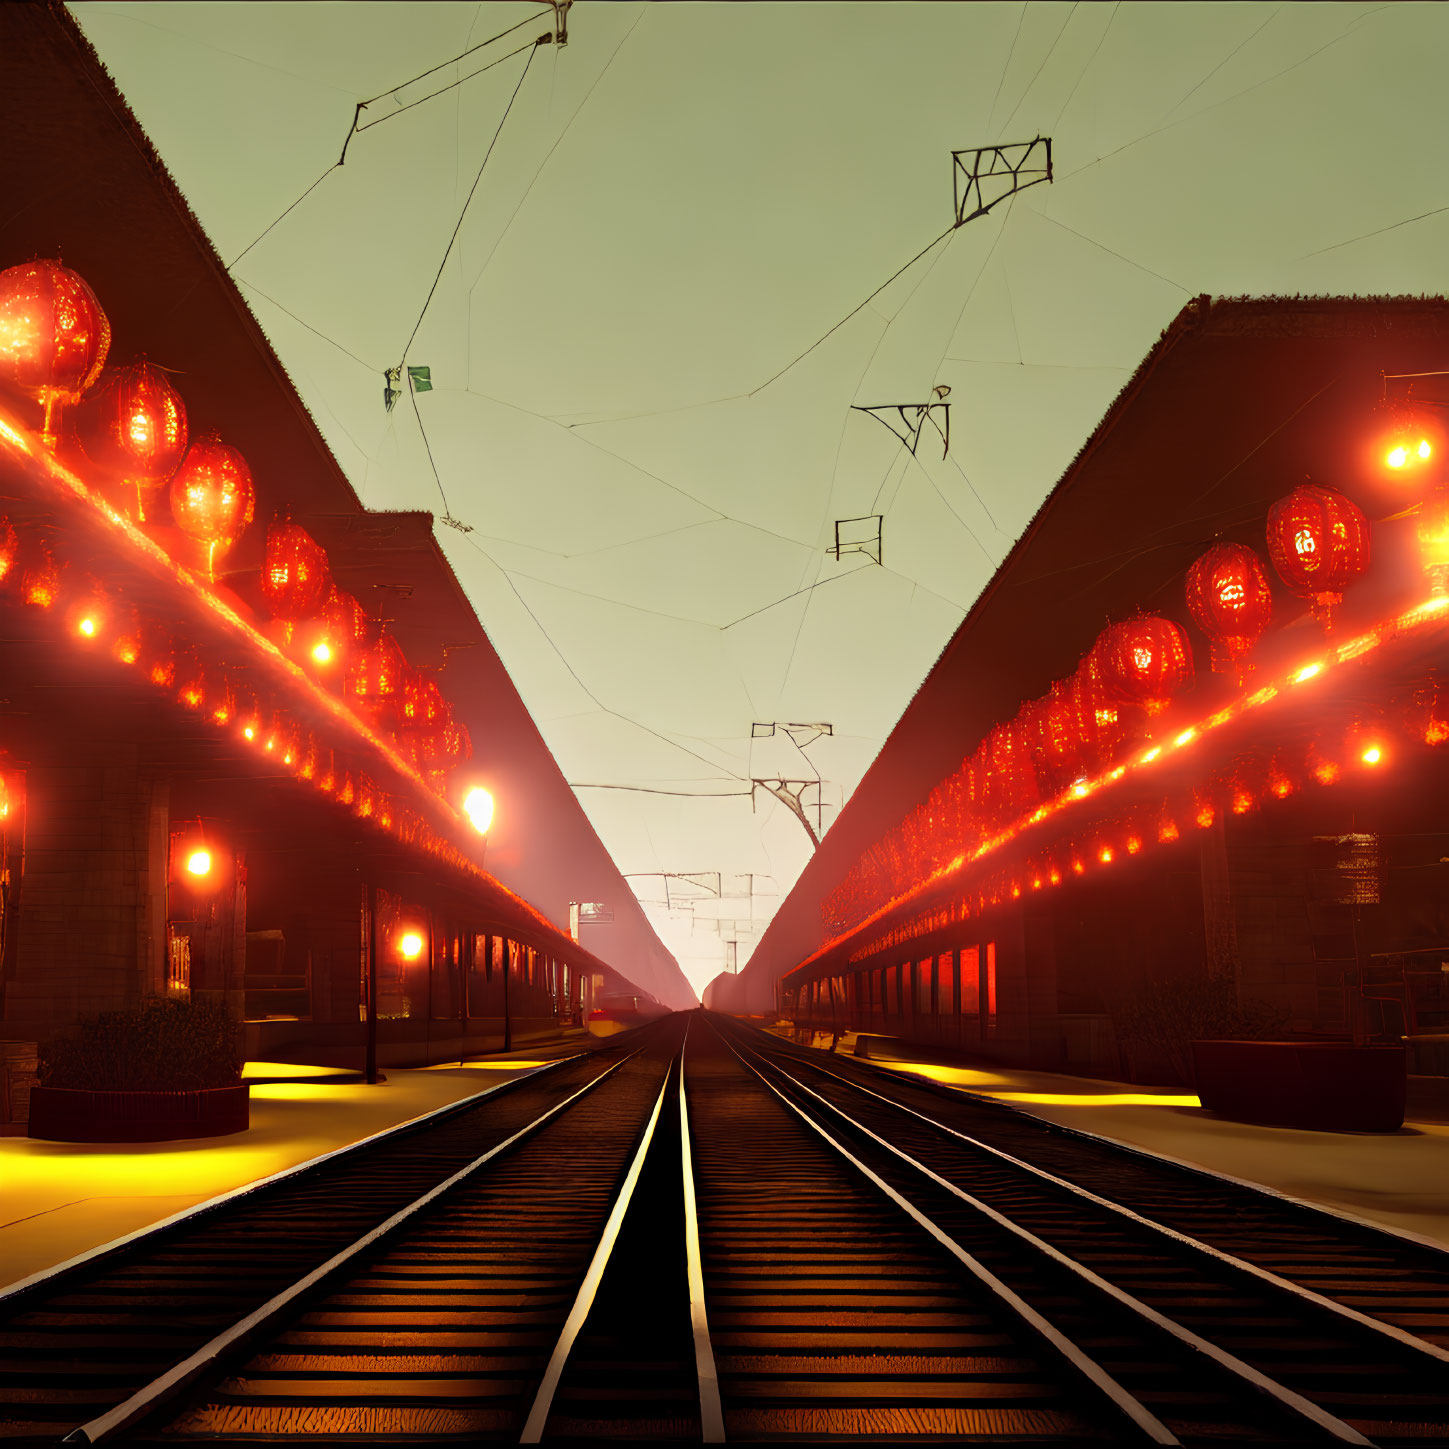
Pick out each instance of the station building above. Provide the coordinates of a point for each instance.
(1067, 883)
(220, 778)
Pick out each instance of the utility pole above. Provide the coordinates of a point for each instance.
(371, 898)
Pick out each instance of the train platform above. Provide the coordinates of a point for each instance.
(1398, 1180)
(64, 1198)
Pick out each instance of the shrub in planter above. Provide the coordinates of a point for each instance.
(1165, 1014)
(161, 1072)
(162, 1045)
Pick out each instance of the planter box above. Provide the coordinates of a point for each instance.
(1327, 1086)
(72, 1114)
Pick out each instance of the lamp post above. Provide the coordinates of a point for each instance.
(478, 807)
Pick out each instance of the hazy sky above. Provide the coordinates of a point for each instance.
(682, 201)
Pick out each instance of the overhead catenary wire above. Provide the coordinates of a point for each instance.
(448, 250)
(361, 105)
(1226, 100)
(453, 60)
(432, 95)
(1051, 51)
(549, 156)
(564, 660)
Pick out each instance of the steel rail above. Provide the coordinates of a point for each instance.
(151, 1396)
(1308, 1295)
(711, 1410)
(45, 1277)
(1119, 1397)
(1285, 1397)
(584, 1300)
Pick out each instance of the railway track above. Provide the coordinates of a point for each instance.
(698, 1234)
(78, 1345)
(1348, 1319)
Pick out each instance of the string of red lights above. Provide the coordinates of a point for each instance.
(130, 424)
(1094, 730)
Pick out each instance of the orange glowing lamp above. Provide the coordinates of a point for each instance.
(54, 337)
(134, 424)
(1230, 601)
(1318, 540)
(375, 673)
(410, 945)
(1145, 660)
(478, 807)
(213, 498)
(295, 577)
(197, 865)
(1412, 442)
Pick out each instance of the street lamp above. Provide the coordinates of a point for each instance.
(478, 807)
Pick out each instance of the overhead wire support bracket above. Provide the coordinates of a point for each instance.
(866, 540)
(910, 418)
(985, 176)
(788, 793)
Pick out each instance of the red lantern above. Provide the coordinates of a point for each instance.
(296, 578)
(1052, 733)
(135, 423)
(424, 709)
(1319, 542)
(1095, 721)
(9, 547)
(1010, 780)
(1229, 598)
(1144, 661)
(376, 672)
(212, 496)
(457, 743)
(53, 335)
(341, 627)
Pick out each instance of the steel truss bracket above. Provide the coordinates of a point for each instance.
(906, 420)
(986, 175)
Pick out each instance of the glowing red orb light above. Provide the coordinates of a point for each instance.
(212, 496)
(1096, 720)
(1230, 601)
(53, 335)
(134, 423)
(295, 576)
(1144, 661)
(376, 672)
(1318, 540)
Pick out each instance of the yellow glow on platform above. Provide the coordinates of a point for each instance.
(488, 1066)
(253, 1070)
(295, 1091)
(969, 1077)
(1306, 673)
(989, 1084)
(1098, 1099)
(322, 652)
